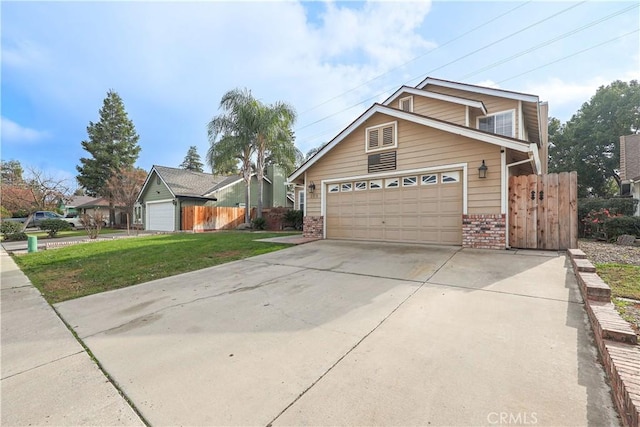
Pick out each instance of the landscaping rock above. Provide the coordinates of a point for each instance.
(626, 240)
(244, 226)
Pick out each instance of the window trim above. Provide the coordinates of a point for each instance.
(449, 173)
(333, 188)
(355, 186)
(378, 182)
(422, 181)
(349, 185)
(388, 181)
(302, 200)
(394, 134)
(498, 113)
(410, 98)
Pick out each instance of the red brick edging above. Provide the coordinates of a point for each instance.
(616, 340)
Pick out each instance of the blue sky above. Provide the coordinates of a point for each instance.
(171, 62)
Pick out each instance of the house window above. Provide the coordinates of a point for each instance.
(409, 181)
(429, 179)
(381, 137)
(391, 183)
(406, 104)
(362, 185)
(375, 184)
(301, 197)
(448, 177)
(334, 188)
(499, 123)
(347, 186)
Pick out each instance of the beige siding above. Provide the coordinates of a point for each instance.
(442, 110)
(493, 104)
(418, 147)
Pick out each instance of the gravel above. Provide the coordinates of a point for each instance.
(601, 252)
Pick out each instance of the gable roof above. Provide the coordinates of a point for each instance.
(435, 95)
(502, 93)
(503, 141)
(186, 183)
(79, 201)
(630, 157)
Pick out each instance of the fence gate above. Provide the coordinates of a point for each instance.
(543, 211)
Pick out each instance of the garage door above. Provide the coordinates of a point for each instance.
(161, 216)
(424, 208)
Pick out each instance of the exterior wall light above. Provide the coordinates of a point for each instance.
(312, 187)
(482, 170)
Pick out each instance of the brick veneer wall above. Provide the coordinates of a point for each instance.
(616, 341)
(312, 226)
(486, 231)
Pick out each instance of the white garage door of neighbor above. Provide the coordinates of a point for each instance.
(425, 208)
(161, 216)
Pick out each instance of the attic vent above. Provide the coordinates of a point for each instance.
(382, 162)
(406, 104)
(373, 138)
(381, 137)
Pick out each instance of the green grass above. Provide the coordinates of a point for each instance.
(89, 268)
(73, 233)
(623, 279)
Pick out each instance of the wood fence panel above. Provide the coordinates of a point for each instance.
(553, 226)
(209, 218)
(543, 211)
(532, 212)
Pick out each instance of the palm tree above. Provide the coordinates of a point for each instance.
(231, 139)
(248, 128)
(274, 141)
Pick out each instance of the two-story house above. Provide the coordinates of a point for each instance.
(423, 164)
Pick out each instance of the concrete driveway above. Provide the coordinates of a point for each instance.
(349, 333)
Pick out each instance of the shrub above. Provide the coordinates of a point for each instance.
(594, 223)
(615, 206)
(293, 218)
(259, 223)
(615, 227)
(52, 226)
(4, 212)
(10, 227)
(14, 237)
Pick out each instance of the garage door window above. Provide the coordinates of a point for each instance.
(449, 177)
(409, 181)
(392, 183)
(334, 188)
(347, 186)
(429, 179)
(362, 185)
(375, 184)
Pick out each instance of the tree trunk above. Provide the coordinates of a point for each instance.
(247, 200)
(260, 176)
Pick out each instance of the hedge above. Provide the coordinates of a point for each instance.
(615, 227)
(615, 205)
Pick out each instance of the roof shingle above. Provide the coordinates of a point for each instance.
(188, 183)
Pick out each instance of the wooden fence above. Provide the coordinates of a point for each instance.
(209, 218)
(543, 211)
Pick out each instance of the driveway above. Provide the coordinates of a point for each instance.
(351, 333)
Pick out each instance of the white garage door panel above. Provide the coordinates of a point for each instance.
(407, 213)
(161, 216)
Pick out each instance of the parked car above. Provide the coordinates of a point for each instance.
(37, 218)
(76, 222)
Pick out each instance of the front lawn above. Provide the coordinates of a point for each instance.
(89, 268)
(624, 279)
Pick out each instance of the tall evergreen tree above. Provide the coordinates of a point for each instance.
(192, 160)
(113, 146)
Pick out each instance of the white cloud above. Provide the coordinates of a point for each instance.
(12, 132)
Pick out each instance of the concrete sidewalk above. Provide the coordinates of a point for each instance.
(47, 377)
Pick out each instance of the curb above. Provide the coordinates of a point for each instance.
(617, 342)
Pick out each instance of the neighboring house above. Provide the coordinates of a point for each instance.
(630, 167)
(78, 205)
(409, 169)
(167, 190)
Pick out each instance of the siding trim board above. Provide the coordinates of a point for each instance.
(435, 95)
(500, 93)
(455, 129)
